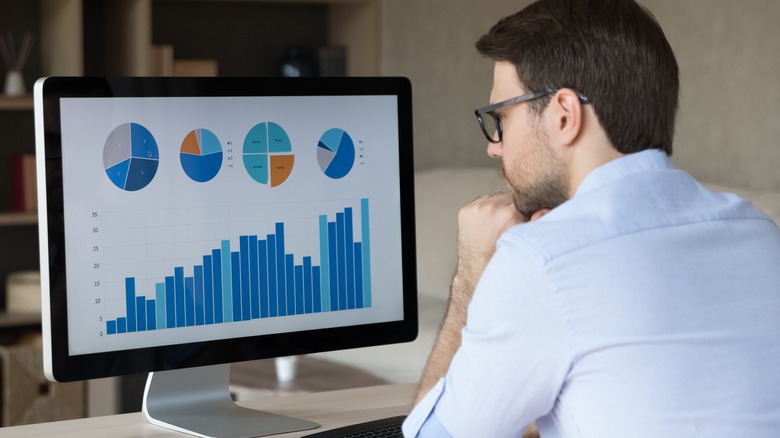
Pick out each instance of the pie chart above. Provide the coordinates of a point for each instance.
(201, 155)
(131, 157)
(267, 153)
(336, 153)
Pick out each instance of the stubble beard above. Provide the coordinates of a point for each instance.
(539, 182)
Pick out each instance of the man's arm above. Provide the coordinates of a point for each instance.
(480, 224)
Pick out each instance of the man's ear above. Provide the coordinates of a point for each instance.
(566, 117)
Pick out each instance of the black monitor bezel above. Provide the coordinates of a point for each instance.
(66, 367)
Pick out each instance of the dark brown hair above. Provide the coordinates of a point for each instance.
(612, 51)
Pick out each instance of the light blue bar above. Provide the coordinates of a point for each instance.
(159, 294)
(366, 248)
(227, 278)
(324, 264)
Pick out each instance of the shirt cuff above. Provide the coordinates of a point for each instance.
(422, 420)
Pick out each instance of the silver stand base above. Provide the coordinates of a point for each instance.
(197, 401)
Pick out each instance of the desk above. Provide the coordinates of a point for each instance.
(330, 409)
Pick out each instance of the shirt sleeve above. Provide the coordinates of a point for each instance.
(514, 356)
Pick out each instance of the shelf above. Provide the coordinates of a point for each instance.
(10, 219)
(19, 319)
(16, 103)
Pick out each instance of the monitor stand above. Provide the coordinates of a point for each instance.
(197, 401)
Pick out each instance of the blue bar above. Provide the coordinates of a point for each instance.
(208, 289)
(349, 244)
(316, 276)
(160, 301)
(189, 299)
(299, 305)
(235, 266)
(111, 327)
(216, 260)
(262, 250)
(170, 303)
(365, 230)
(359, 276)
(140, 308)
(324, 264)
(246, 288)
(151, 317)
(200, 316)
(227, 289)
(308, 297)
(290, 272)
(178, 278)
(342, 261)
(121, 325)
(254, 280)
(333, 256)
(130, 302)
(280, 270)
(273, 291)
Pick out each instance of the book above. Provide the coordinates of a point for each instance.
(24, 183)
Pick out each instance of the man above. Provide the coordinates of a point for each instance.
(609, 294)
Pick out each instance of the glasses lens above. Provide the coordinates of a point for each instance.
(489, 125)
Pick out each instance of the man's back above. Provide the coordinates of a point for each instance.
(668, 298)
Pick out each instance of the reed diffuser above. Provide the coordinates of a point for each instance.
(14, 62)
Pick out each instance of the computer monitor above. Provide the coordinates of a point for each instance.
(189, 223)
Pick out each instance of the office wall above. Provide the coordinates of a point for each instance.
(728, 129)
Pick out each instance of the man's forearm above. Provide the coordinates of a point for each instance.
(448, 341)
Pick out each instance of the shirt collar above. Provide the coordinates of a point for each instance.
(651, 159)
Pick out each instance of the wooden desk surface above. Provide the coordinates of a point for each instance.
(330, 409)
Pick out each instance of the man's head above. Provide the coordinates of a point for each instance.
(612, 51)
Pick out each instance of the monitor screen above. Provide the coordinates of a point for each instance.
(188, 222)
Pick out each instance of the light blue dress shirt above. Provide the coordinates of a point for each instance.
(645, 306)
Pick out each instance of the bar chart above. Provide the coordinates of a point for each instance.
(255, 277)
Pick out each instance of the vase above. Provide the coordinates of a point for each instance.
(14, 83)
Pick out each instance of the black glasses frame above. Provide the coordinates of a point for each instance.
(491, 110)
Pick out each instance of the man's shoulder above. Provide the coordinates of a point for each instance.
(625, 207)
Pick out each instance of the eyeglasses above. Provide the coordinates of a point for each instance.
(491, 126)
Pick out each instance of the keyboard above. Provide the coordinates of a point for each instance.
(382, 428)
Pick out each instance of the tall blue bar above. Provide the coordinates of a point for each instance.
(254, 280)
(262, 252)
(151, 315)
(366, 243)
(189, 299)
(140, 308)
(170, 302)
(216, 260)
(208, 289)
(342, 261)
(349, 245)
(359, 276)
(273, 289)
(178, 278)
(324, 264)
(333, 257)
(200, 314)
(160, 302)
(316, 279)
(308, 297)
(281, 283)
(235, 268)
(290, 277)
(246, 287)
(132, 319)
(299, 299)
(227, 289)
